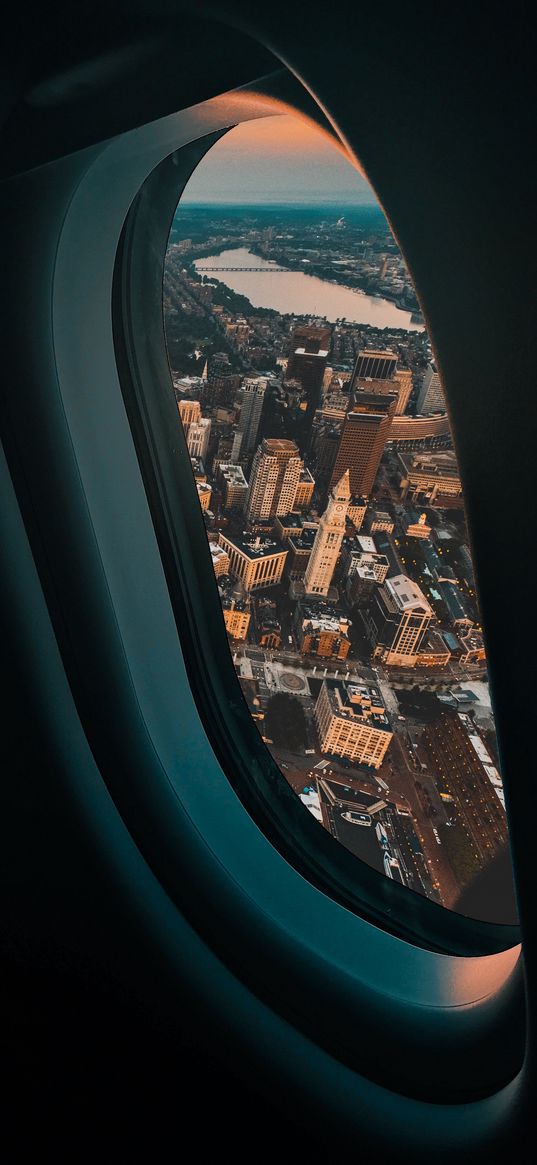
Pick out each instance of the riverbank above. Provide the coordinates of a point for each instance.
(292, 292)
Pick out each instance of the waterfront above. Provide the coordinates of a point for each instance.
(294, 292)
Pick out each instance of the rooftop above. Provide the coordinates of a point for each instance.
(233, 474)
(406, 594)
(254, 548)
(352, 701)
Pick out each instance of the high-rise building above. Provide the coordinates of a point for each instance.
(235, 486)
(365, 432)
(252, 398)
(197, 429)
(403, 382)
(304, 491)
(189, 412)
(328, 539)
(325, 441)
(311, 337)
(351, 722)
(255, 562)
(466, 773)
(197, 438)
(307, 364)
(379, 365)
(397, 621)
(431, 397)
(274, 478)
(378, 372)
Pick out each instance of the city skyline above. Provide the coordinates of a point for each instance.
(334, 513)
(277, 160)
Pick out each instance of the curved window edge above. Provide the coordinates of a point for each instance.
(332, 1028)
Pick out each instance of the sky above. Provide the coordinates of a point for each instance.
(277, 159)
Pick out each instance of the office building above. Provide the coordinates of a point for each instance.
(377, 521)
(375, 364)
(322, 631)
(220, 559)
(235, 486)
(255, 562)
(325, 440)
(352, 723)
(361, 551)
(397, 620)
(365, 432)
(236, 609)
(429, 477)
(311, 337)
(189, 412)
(204, 494)
(274, 478)
(431, 397)
(304, 491)
(307, 364)
(420, 433)
(328, 539)
(299, 546)
(400, 383)
(252, 398)
(465, 772)
(356, 511)
(197, 435)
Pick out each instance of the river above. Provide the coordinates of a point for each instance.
(292, 292)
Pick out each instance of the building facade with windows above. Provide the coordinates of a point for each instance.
(428, 476)
(352, 723)
(255, 562)
(328, 539)
(364, 434)
(236, 617)
(275, 474)
(431, 397)
(375, 364)
(252, 399)
(397, 620)
(235, 486)
(304, 491)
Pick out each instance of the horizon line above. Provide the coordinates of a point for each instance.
(311, 205)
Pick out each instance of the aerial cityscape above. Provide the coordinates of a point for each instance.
(316, 424)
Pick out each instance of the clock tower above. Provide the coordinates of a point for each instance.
(328, 540)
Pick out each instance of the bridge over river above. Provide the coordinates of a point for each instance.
(260, 270)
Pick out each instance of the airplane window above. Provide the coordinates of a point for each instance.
(315, 420)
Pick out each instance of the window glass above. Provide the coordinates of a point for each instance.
(315, 420)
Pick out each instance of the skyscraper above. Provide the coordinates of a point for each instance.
(307, 364)
(275, 474)
(311, 337)
(431, 396)
(397, 620)
(364, 435)
(197, 428)
(379, 365)
(328, 540)
(252, 398)
(197, 440)
(189, 412)
(378, 371)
